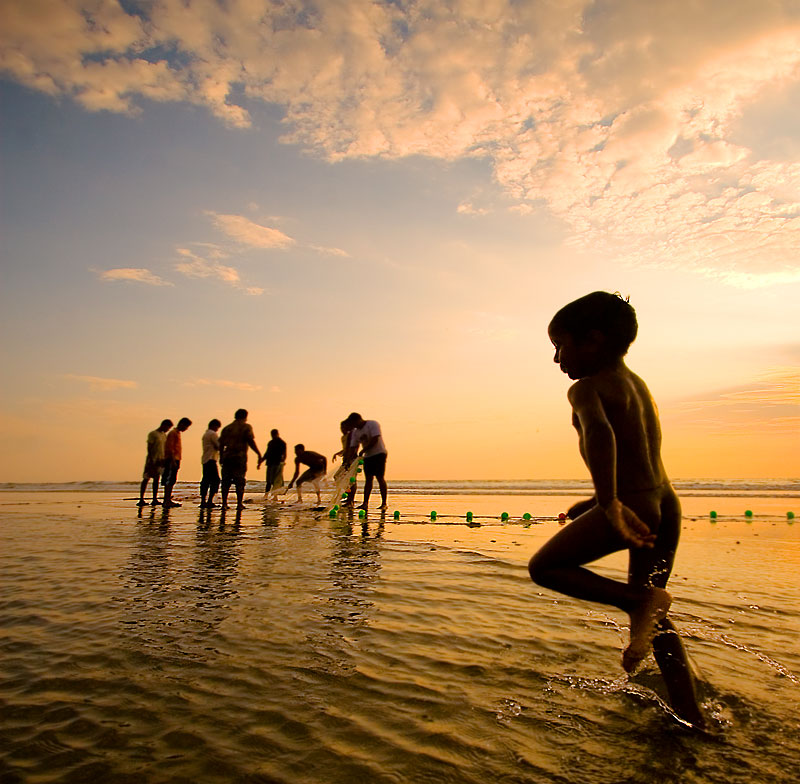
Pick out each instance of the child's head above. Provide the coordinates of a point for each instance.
(299, 448)
(214, 424)
(600, 323)
(184, 423)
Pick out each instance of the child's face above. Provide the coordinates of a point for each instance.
(577, 358)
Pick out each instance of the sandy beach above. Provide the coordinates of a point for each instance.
(286, 646)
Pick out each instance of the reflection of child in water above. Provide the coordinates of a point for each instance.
(634, 506)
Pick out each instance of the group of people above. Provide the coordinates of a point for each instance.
(634, 506)
(228, 449)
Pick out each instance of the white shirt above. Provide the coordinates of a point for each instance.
(364, 434)
(210, 446)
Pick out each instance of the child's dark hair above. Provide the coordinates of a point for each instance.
(609, 314)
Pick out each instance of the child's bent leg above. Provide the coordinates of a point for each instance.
(559, 564)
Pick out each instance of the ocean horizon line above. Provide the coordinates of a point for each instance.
(789, 487)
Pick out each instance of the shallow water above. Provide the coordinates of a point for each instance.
(289, 647)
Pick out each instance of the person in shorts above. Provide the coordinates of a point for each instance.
(210, 481)
(173, 451)
(366, 435)
(317, 468)
(234, 441)
(154, 462)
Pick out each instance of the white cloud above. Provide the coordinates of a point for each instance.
(467, 208)
(772, 401)
(620, 116)
(135, 274)
(194, 266)
(247, 232)
(242, 386)
(343, 254)
(99, 384)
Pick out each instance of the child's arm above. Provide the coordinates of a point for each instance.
(599, 450)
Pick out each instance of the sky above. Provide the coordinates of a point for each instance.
(312, 208)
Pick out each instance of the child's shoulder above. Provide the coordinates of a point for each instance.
(607, 383)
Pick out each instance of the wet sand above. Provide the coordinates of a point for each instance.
(285, 646)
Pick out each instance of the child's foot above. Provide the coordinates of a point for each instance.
(211, 505)
(142, 502)
(155, 502)
(383, 507)
(644, 619)
(171, 504)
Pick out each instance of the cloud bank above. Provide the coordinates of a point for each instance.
(640, 125)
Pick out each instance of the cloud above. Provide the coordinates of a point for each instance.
(770, 401)
(134, 274)
(99, 384)
(194, 266)
(467, 208)
(252, 234)
(219, 382)
(623, 118)
(330, 251)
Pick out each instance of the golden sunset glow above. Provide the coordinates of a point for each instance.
(311, 209)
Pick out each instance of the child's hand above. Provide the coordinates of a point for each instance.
(628, 525)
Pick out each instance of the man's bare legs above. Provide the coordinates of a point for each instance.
(367, 492)
(143, 489)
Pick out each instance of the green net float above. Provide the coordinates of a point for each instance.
(526, 516)
(362, 512)
(433, 515)
(790, 515)
(469, 517)
(748, 513)
(504, 516)
(712, 514)
(352, 480)
(396, 514)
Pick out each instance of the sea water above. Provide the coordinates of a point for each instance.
(280, 645)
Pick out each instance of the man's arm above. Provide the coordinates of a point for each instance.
(371, 443)
(251, 442)
(296, 471)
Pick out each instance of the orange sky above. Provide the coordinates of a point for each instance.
(378, 207)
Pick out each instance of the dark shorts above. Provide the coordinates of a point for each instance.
(170, 473)
(375, 466)
(314, 472)
(210, 472)
(234, 471)
(151, 470)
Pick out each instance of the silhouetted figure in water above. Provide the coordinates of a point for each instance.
(275, 458)
(154, 462)
(634, 506)
(346, 427)
(317, 466)
(234, 441)
(172, 459)
(366, 433)
(210, 481)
